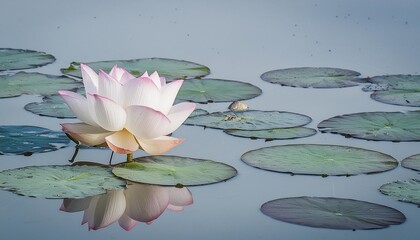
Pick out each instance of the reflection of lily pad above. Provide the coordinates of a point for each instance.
(381, 126)
(307, 77)
(59, 181)
(25, 140)
(273, 134)
(169, 68)
(412, 162)
(34, 84)
(406, 191)
(333, 213)
(173, 170)
(321, 160)
(216, 90)
(249, 120)
(15, 59)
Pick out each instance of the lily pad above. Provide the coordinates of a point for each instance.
(26, 140)
(216, 90)
(315, 159)
(332, 213)
(273, 134)
(312, 77)
(16, 59)
(59, 181)
(405, 191)
(198, 111)
(35, 84)
(169, 68)
(380, 126)
(409, 97)
(412, 162)
(174, 170)
(249, 120)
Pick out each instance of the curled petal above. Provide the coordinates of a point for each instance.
(75, 205)
(109, 87)
(159, 145)
(126, 222)
(122, 142)
(178, 114)
(90, 79)
(108, 114)
(78, 105)
(86, 134)
(141, 91)
(168, 95)
(180, 196)
(146, 123)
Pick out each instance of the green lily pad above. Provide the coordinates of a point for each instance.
(380, 126)
(59, 181)
(26, 140)
(315, 159)
(169, 68)
(273, 134)
(35, 84)
(16, 59)
(409, 97)
(405, 191)
(332, 213)
(216, 90)
(249, 120)
(311, 77)
(198, 111)
(412, 162)
(174, 170)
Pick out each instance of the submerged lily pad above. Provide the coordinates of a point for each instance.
(35, 84)
(273, 134)
(333, 213)
(312, 77)
(16, 59)
(405, 191)
(324, 160)
(174, 170)
(412, 162)
(216, 90)
(169, 68)
(380, 126)
(249, 120)
(25, 140)
(198, 111)
(59, 181)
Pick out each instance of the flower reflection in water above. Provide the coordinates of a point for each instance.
(136, 203)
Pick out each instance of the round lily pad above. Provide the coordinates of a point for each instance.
(216, 90)
(332, 213)
(169, 68)
(312, 77)
(26, 140)
(412, 162)
(273, 134)
(16, 59)
(380, 126)
(35, 84)
(59, 181)
(174, 170)
(405, 191)
(249, 120)
(315, 159)
(409, 97)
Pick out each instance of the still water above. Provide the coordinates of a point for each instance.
(237, 40)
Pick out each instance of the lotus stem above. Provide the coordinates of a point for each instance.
(129, 157)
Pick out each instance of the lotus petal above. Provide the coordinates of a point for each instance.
(86, 134)
(178, 114)
(108, 114)
(122, 142)
(159, 145)
(145, 122)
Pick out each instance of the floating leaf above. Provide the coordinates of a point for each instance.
(25, 140)
(381, 126)
(15, 59)
(412, 162)
(249, 120)
(333, 213)
(173, 170)
(405, 191)
(273, 134)
(59, 181)
(34, 84)
(410, 97)
(216, 90)
(321, 160)
(197, 112)
(310, 77)
(169, 68)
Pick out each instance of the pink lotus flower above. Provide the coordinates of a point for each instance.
(126, 113)
(137, 203)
